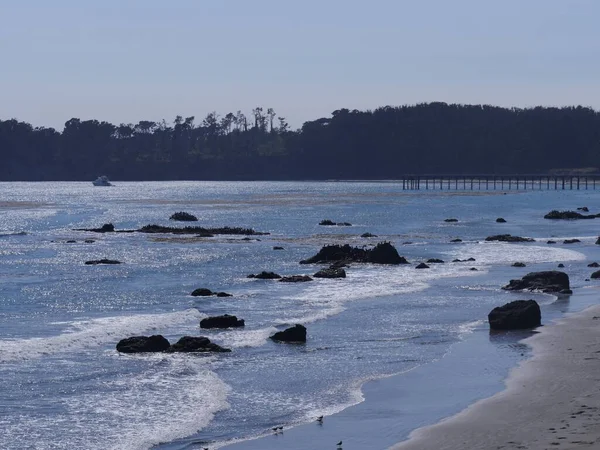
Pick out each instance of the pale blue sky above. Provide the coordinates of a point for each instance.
(128, 60)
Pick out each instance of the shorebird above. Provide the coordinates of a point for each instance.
(339, 444)
(274, 429)
(320, 419)
(280, 428)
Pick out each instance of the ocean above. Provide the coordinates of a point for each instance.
(389, 348)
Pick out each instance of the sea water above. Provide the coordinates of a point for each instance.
(64, 386)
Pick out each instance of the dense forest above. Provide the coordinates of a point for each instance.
(380, 144)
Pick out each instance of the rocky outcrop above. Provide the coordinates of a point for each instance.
(265, 275)
(594, 264)
(450, 220)
(295, 279)
(192, 344)
(464, 260)
(224, 321)
(422, 266)
(382, 253)
(547, 281)
(143, 344)
(95, 262)
(569, 215)
(518, 264)
(183, 216)
(517, 315)
(297, 333)
(106, 228)
(368, 235)
(202, 292)
(330, 273)
(500, 220)
(571, 241)
(435, 261)
(200, 231)
(508, 238)
(595, 275)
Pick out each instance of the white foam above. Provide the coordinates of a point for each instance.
(233, 338)
(91, 333)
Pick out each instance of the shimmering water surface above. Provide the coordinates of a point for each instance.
(63, 385)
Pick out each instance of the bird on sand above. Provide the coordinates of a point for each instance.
(320, 419)
(274, 429)
(280, 428)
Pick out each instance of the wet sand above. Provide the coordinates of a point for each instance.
(551, 401)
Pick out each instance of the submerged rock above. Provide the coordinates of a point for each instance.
(547, 281)
(330, 273)
(456, 240)
(265, 275)
(594, 264)
(143, 344)
(297, 333)
(368, 235)
(295, 279)
(106, 228)
(500, 220)
(183, 216)
(224, 294)
(382, 253)
(422, 266)
(508, 238)
(520, 314)
(561, 265)
(327, 222)
(450, 220)
(102, 261)
(571, 241)
(518, 264)
(224, 321)
(551, 242)
(277, 247)
(191, 344)
(435, 261)
(595, 275)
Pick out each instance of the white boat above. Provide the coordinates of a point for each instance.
(102, 181)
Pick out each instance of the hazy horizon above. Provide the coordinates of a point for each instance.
(148, 60)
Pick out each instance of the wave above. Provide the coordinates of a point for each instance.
(92, 333)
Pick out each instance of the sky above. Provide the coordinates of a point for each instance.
(129, 60)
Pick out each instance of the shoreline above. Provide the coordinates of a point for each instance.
(551, 400)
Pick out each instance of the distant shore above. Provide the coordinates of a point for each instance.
(551, 400)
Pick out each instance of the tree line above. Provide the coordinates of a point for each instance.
(432, 138)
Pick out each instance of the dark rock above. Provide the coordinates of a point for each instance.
(368, 235)
(200, 230)
(571, 241)
(568, 215)
(224, 321)
(330, 273)
(265, 275)
(517, 315)
(584, 209)
(297, 333)
(594, 264)
(595, 275)
(508, 238)
(456, 240)
(435, 261)
(71, 241)
(566, 292)
(382, 253)
(102, 261)
(223, 294)
(518, 264)
(457, 260)
(547, 281)
(295, 279)
(474, 269)
(551, 242)
(500, 220)
(598, 241)
(422, 266)
(326, 222)
(106, 228)
(406, 243)
(277, 247)
(183, 217)
(561, 265)
(450, 220)
(191, 344)
(89, 241)
(202, 292)
(142, 344)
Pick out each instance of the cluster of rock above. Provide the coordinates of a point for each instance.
(158, 343)
(327, 222)
(508, 238)
(200, 231)
(204, 292)
(183, 216)
(382, 253)
(569, 215)
(549, 281)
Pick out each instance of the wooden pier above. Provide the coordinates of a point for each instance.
(499, 182)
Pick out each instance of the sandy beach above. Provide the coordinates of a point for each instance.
(552, 400)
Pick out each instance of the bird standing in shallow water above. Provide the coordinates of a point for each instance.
(320, 419)
(339, 444)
